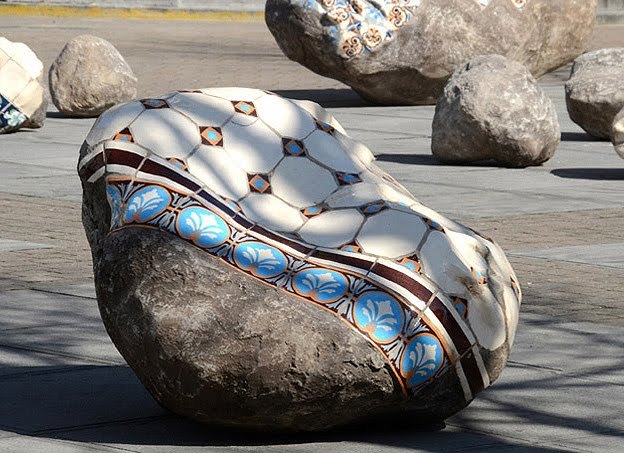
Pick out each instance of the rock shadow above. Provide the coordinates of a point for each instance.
(594, 174)
(331, 97)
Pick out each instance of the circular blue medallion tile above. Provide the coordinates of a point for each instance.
(146, 203)
(322, 285)
(202, 226)
(421, 359)
(260, 259)
(379, 315)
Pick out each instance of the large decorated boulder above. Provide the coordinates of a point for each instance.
(595, 90)
(403, 51)
(256, 269)
(493, 109)
(89, 76)
(23, 101)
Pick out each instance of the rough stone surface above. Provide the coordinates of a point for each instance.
(493, 108)
(23, 100)
(403, 52)
(226, 320)
(595, 91)
(89, 76)
(617, 133)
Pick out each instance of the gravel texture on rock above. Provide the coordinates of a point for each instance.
(492, 108)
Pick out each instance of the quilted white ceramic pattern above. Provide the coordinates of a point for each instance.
(291, 200)
(21, 93)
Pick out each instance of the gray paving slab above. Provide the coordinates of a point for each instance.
(28, 308)
(16, 361)
(611, 255)
(543, 405)
(11, 245)
(84, 289)
(79, 396)
(580, 349)
(86, 341)
(21, 444)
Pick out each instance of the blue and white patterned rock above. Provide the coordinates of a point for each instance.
(403, 51)
(255, 268)
(23, 101)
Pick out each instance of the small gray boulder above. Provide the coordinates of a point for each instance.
(493, 108)
(90, 76)
(595, 91)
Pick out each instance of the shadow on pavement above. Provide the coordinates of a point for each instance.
(604, 174)
(343, 97)
(578, 137)
(108, 405)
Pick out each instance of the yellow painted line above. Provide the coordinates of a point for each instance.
(130, 13)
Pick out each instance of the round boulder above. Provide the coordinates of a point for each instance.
(403, 51)
(493, 108)
(617, 133)
(257, 270)
(89, 76)
(595, 91)
(23, 100)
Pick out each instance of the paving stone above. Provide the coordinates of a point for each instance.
(541, 405)
(27, 308)
(76, 397)
(10, 245)
(21, 444)
(15, 361)
(611, 255)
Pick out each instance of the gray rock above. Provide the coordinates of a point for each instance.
(403, 52)
(617, 133)
(595, 91)
(493, 108)
(89, 76)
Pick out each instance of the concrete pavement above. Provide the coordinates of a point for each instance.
(64, 387)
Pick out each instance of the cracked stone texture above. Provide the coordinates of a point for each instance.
(595, 91)
(90, 76)
(413, 67)
(493, 108)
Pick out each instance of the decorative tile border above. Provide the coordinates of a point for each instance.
(419, 331)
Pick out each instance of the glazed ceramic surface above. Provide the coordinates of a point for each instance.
(359, 26)
(276, 189)
(21, 94)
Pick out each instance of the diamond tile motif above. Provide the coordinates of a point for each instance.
(151, 104)
(312, 211)
(211, 136)
(347, 179)
(412, 263)
(124, 136)
(373, 208)
(259, 183)
(293, 147)
(246, 108)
